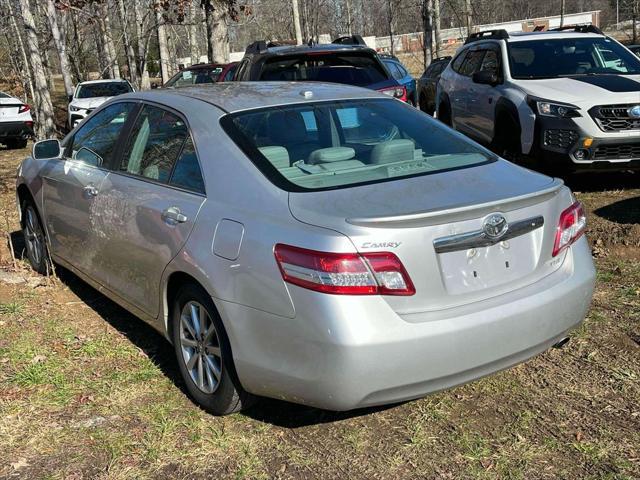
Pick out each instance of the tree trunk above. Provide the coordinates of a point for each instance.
(468, 19)
(436, 27)
(128, 48)
(110, 49)
(44, 124)
(141, 60)
(61, 47)
(216, 13)
(296, 21)
(562, 8)
(193, 35)
(427, 31)
(23, 54)
(349, 18)
(390, 20)
(162, 44)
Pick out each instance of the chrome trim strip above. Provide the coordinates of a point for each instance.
(478, 239)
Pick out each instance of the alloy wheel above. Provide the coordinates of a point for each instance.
(33, 236)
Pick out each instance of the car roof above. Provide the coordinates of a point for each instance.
(108, 80)
(199, 66)
(238, 96)
(549, 35)
(321, 47)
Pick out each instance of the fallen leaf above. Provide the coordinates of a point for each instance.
(21, 463)
(579, 436)
(38, 359)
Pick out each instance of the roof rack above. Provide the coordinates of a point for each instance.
(500, 34)
(583, 28)
(350, 40)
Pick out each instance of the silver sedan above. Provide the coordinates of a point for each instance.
(317, 243)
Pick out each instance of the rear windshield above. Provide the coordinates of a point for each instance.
(338, 144)
(195, 77)
(103, 90)
(570, 57)
(345, 67)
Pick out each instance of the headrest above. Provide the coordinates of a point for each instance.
(278, 156)
(330, 155)
(392, 151)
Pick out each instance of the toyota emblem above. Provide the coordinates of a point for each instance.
(495, 226)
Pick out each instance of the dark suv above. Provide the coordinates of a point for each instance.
(346, 60)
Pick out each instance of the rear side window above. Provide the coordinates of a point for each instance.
(344, 67)
(196, 76)
(156, 144)
(187, 172)
(354, 142)
(457, 62)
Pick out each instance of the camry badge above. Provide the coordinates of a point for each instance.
(634, 111)
(495, 226)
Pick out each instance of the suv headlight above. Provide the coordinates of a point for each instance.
(75, 109)
(552, 109)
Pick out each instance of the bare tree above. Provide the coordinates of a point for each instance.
(61, 47)
(128, 47)
(143, 42)
(162, 44)
(296, 21)
(216, 18)
(45, 126)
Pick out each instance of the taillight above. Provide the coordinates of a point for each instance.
(379, 273)
(571, 226)
(396, 92)
(24, 108)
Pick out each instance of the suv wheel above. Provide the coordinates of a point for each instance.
(204, 354)
(424, 106)
(506, 139)
(16, 143)
(444, 112)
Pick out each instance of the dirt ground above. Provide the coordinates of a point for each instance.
(88, 391)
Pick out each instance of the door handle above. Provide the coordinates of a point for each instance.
(173, 216)
(90, 191)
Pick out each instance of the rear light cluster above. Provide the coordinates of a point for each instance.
(571, 226)
(379, 273)
(396, 92)
(24, 108)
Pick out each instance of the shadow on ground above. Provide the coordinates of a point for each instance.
(625, 212)
(601, 181)
(161, 353)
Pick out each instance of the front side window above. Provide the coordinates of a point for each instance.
(103, 89)
(349, 68)
(490, 62)
(567, 57)
(355, 142)
(96, 140)
(472, 62)
(156, 144)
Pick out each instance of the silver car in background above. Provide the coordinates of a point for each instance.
(322, 244)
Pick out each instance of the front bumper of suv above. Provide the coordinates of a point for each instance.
(565, 142)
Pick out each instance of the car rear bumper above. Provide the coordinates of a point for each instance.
(16, 129)
(342, 353)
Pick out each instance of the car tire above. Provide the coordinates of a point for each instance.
(444, 112)
(16, 143)
(506, 140)
(34, 239)
(204, 353)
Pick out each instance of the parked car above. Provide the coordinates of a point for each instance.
(318, 243)
(569, 97)
(428, 83)
(347, 60)
(635, 49)
(202, 73)
(402, 75)
(90, 95)
(16, 124)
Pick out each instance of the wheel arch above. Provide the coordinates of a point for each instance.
(506, 113)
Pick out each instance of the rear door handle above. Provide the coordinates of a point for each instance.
(90, 191)
(173, 216)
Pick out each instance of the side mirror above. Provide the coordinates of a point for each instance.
(485, 77)
(46, 149)
(154, 85)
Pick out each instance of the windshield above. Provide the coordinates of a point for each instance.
(103, 90)
(195, 77)
(570, 56)
(350, 68)
(338, 144)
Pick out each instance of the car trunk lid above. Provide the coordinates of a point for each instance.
(419, 219)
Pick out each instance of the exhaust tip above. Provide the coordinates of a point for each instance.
(562, 342)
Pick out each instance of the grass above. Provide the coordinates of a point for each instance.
(88, 391)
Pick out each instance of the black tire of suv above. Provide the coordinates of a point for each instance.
(424, 105)
(444, 112)
(16, 143)
(229, 396)
(506, 140)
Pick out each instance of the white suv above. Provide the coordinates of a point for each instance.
(568, 97)
(16, 124)
(90, 95)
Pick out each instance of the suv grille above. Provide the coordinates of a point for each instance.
(628, 151)
(560, 138)
(614, 118)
